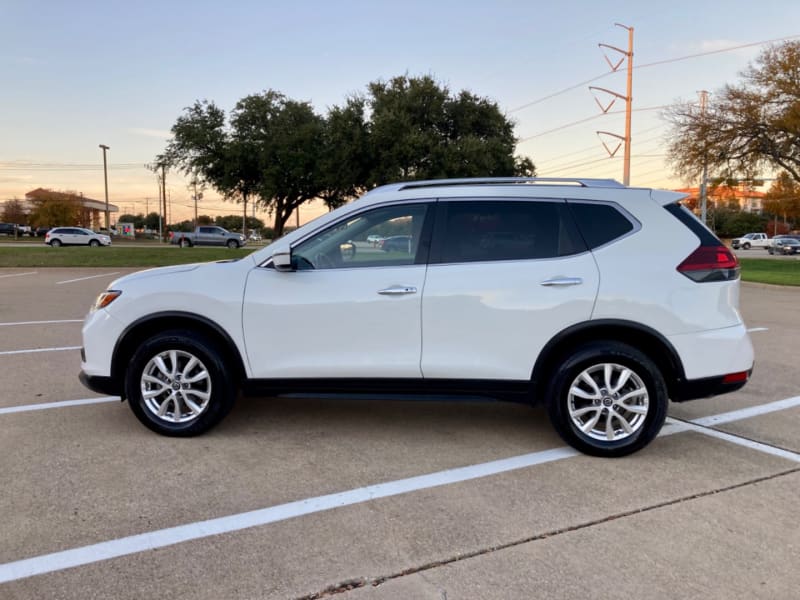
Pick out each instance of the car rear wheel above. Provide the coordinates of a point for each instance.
(178, 385)
(55, 243)
(608, 399)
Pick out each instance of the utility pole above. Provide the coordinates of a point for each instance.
(164, 197)
(628, 97)
(195, 201)
(704, 181)
(105, 176)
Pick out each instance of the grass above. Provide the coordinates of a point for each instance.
(777, 272)
(115, 256)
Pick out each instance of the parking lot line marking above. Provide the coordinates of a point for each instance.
(90, 277)
(45, 405)
(740, 441)
(41, 322)
(755, 329)
(746, 413)
(39, 350)
(18, 274)
(160, 538)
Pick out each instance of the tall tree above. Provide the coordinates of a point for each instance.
(746, 126)
(14, 212)
(345, 163)
(419, 130)
(51, 209)
(783, 198)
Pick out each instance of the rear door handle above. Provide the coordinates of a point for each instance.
(398, 290)
(562, 281)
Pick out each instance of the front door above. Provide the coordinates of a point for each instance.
(348, 309)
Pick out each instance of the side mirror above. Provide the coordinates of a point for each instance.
(282, 259)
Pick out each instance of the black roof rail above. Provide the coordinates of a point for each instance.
(580, 181)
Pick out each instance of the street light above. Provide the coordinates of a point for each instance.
(105, 175)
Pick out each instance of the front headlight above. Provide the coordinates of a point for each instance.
(105, 299)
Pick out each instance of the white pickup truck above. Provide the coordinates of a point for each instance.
(751, 240)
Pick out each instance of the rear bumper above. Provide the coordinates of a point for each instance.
(100, 385)
(692, 389)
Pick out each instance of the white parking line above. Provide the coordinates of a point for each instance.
(41, 322)
(160, 538)
(755, 329)
(18, 274)
(39, 350)
(90, 277)
(45, 405)
(746, 413)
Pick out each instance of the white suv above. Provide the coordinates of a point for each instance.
(561, 292)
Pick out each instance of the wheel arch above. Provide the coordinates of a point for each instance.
(641, 337)
(143, 328)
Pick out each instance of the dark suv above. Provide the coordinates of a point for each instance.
(8, 228)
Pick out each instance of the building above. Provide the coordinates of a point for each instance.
(92, 213)
(743, 197)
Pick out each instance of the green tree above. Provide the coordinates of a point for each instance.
(345, 163)
(234, 222)
(151, 221)
(53, 209)
(747, 126)
(207, 220)
(137, 220)
(418, 130)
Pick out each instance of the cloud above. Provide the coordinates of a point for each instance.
(156, 133)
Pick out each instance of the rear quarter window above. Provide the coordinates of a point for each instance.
(600, 224)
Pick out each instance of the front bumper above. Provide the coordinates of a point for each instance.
(100, 385)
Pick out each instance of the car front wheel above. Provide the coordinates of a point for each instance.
(746, 246)
(608, 399)
(178, 385)
(233, 244)
(94, 243)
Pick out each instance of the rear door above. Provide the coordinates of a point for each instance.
(505, 276)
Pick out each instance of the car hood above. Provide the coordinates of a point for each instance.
(157, 272)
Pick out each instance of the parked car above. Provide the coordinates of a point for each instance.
(75, 236)
(560, 309)
(751, 240)
(375, 239)
(208, 235)
(40, 231)
(784, 246)
(24, 230)
(396, 243)
(8, 229)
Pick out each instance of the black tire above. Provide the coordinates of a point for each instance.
(94, 243)
(232, 244)
(55, 243)
(220, 386)
(184, 243)
(646, 376)
(746, 246)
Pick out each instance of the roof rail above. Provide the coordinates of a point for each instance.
(583, 182)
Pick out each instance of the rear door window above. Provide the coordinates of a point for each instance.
(478, 230)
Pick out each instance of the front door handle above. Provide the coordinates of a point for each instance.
(398, 290)
(562, 281)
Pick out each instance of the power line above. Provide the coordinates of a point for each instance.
(651, 64)
(586, 120)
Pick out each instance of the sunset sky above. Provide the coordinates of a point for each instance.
(77, 74)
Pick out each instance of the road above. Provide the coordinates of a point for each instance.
(356, 499)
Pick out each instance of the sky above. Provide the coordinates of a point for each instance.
(76, 74)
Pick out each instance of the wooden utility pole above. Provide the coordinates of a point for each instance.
(164, 195)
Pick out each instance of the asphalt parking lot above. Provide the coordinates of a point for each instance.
(356, 499)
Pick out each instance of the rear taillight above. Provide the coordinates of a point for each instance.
(710, 263)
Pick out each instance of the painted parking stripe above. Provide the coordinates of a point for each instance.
(746, 413)
(160, 538)
(45, 405)
(39, 350)
(175, 535)
(17, 274)
(41, 322)
(755, 329)
(90, 277)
